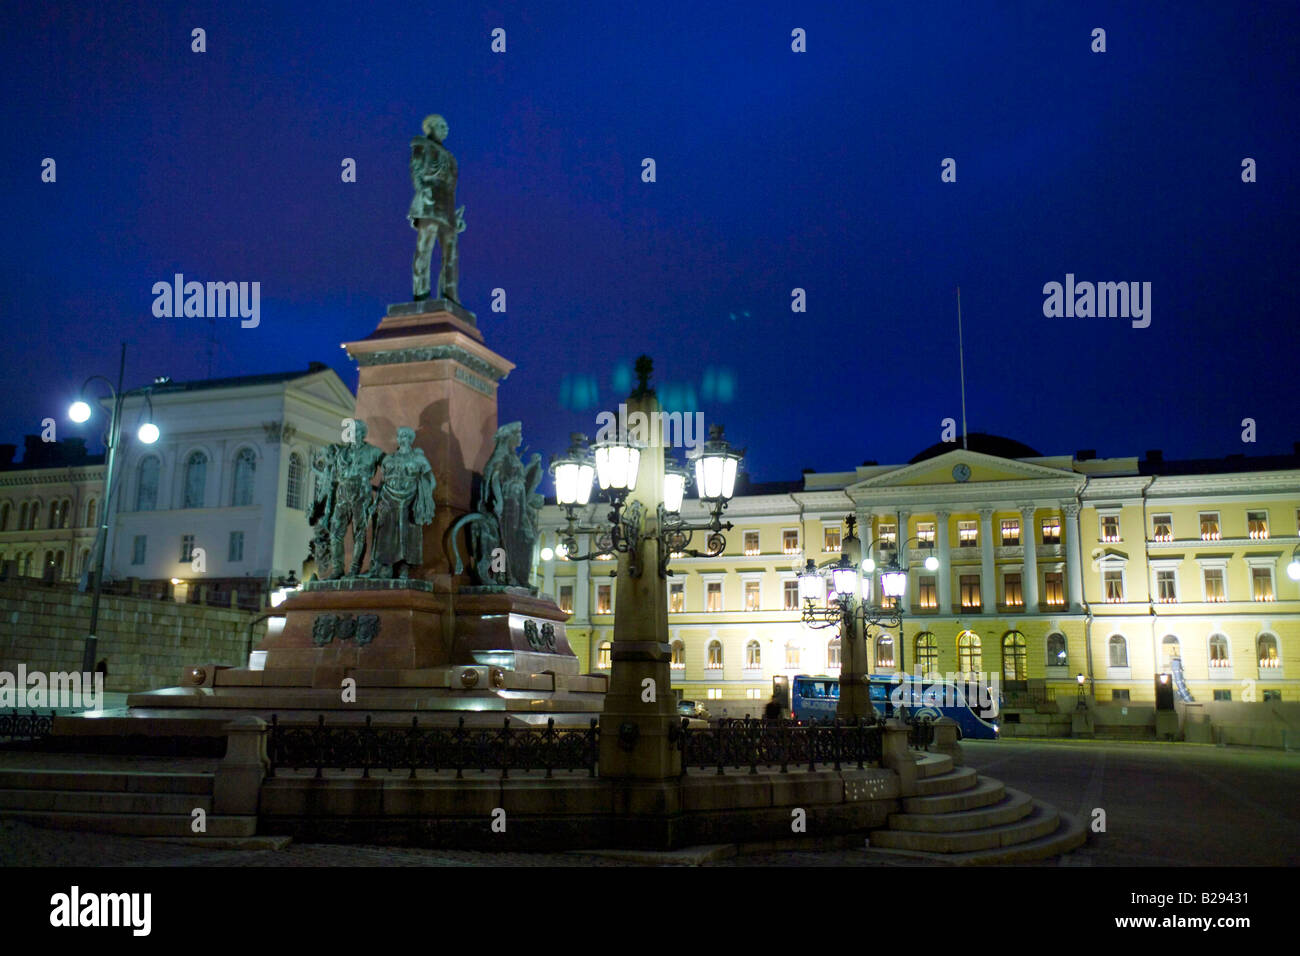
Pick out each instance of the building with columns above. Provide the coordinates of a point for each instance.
(1049, 567)
(229, 481)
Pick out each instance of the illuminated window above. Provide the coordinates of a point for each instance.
(713, 693)
(1010, 532)
(970, 591)
(715, 655)
(1015, 656)
(970, 658)
(925, 534)
(1261, 584)
(1117, 649)
(751, 596)
(833, 654)
(1210, 526)
(1110, 527)
(1268, 656)
(790, 590)
(792, 656)
(1166, 586)
(293, 497)
(604, 598)
(677, 597)
(1257, 523)
(1169, 650)
(831, 539)
(753, 655)
(1162, 527)
(926, 594)
(679, 655)
(603, 656)
(888, 535)
(1051, 531)
(790, 541)
(751, 543)
(566, 598)
(713, 596)
(1011, 594)
(885, 650)
(967, 534)
(1057, 654)
(927, 653)
(1054, 588)
(1114, 583)
(753, 693)
(1219, 652)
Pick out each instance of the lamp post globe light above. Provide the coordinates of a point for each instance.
(845, 605)
(1293, 566)
(147, 433)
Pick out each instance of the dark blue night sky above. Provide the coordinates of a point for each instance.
(775, 170)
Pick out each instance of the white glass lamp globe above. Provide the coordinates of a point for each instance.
(148, 433)
(932, 563)
(79, 412)
(547, 554)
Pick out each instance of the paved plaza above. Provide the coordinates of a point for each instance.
(1165, 804)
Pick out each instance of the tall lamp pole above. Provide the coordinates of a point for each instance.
(148, 434)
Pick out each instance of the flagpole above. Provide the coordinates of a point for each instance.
(961, 353)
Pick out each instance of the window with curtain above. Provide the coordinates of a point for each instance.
(196, 478)
(146, 488)
(245, 468)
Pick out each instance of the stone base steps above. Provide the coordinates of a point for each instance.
(117, 801)
(960, 817)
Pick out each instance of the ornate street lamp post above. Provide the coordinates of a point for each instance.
(147, 433)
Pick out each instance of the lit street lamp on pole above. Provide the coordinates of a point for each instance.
(147, 433)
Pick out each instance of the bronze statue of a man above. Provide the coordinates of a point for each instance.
(433, 211)
(355, 463)
(405, 507)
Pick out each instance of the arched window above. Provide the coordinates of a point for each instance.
(90, 513)
(1117, 648)
(83, 562)
(22, 516)
(293, 496)
(1269, 659)
(970, 656)
(34, 518)
(64, 512)
(885, 650)
(603, 656)
(245, 466)
(1015, 653)
(1057, 654)
(792, 656)
(196, 480)
(4, 516)
(927, 653)
(1219, 651)
(753, 655)
(58, 565)
(1169, 649)
(833, 654)
(715, 655)
(146, 488)
(679, 654)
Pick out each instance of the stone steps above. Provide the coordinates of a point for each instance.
(957, 816)
(136, 824)
(1014, 806)
(100, 801)
(116, 781)
(932, 765)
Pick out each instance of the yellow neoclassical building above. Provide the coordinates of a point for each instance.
(1049, 567)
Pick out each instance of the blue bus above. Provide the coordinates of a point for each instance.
(816, 698)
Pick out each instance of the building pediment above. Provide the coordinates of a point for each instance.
(966, 476)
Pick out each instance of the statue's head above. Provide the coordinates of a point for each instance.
(359, 431)
(405, 438)
(510, 435)
(435, 127)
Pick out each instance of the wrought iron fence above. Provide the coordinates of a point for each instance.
(780, 743)
(459, 748)
(33, 726)
(1025, 699)
(920, 733)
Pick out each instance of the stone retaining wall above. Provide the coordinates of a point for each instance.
(146, 643)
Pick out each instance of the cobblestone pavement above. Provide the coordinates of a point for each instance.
(1166, 805)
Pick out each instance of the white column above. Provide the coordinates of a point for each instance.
(988, 585)
(1029, 541)
(943, 577)
(1074, 573)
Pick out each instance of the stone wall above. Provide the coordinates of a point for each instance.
(147, 643)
